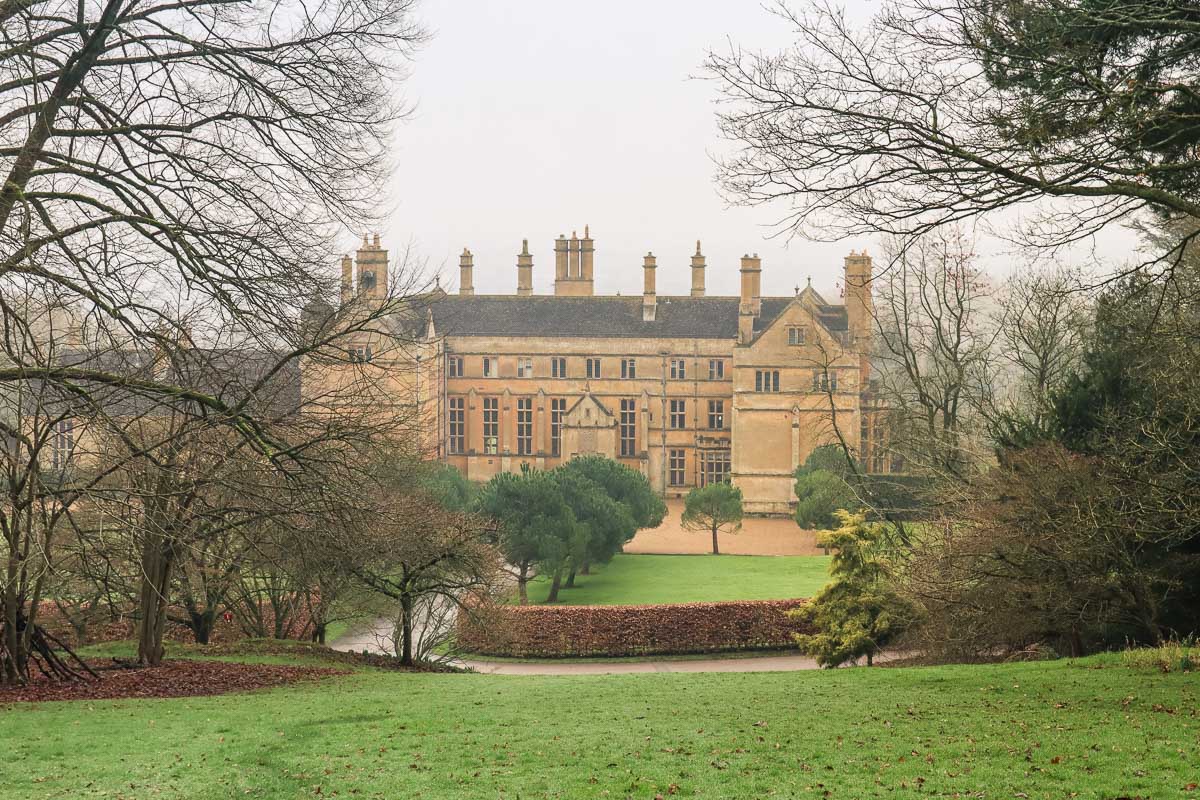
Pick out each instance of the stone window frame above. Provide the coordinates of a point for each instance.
(825, 380)
(524, 426)
(676, 467)
(678, 415)
(456, 440)
(558, 409)
(491, 422)
(766, 380)
(628, 427)
(716, 414)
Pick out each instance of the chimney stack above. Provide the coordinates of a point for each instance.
(560, 260)
(860, 307)
(347, 279)
(649, 298)
(751, 300)
(466, 272)
(757, 296)
(573, 265)
(524, 270)
(372, 264)
(586, 249)
(698, 272)
(573, 269)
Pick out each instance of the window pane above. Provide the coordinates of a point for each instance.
(558, 407)
(491, 425)
(458, 419)
(628, 428)
(524, 426)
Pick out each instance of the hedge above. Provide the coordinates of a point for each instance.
(573, 631)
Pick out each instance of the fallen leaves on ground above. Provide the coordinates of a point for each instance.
(172, 678)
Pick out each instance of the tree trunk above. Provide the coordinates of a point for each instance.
(870, 658)
(716, 550)
(202, 624)
(555, 584)
(157, 562)
(16, 665)
(523, 584)
(406, 629)
(318, 634)
(571, 579)
(586, 569)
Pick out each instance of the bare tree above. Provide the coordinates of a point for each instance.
(41, 423)
(433, 562)
(934, 354)
(944, 111)
(1042, 321)
(204, 151)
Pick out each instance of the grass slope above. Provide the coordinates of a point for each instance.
(645, 579)
(1049, 730)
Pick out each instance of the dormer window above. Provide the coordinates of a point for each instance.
(360, 355)
(795, 336)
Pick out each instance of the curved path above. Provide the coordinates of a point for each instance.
(373, 638)
(747, 663)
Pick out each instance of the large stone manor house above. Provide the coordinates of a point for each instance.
(687, 389)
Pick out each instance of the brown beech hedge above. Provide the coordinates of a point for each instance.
(566, 631)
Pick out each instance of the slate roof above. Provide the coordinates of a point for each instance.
(228, 374)
(548, 315)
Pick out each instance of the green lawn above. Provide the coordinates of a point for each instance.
(1052, 730)
(642, 579)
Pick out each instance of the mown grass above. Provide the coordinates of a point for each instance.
(1093, 728)
(648, 579)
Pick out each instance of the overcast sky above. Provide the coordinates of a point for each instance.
(537, 117)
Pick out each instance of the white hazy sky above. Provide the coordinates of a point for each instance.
(534, 118)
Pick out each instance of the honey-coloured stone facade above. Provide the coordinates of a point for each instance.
(687, 389)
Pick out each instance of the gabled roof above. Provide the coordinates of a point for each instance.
(588, 397)
(833, 318)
